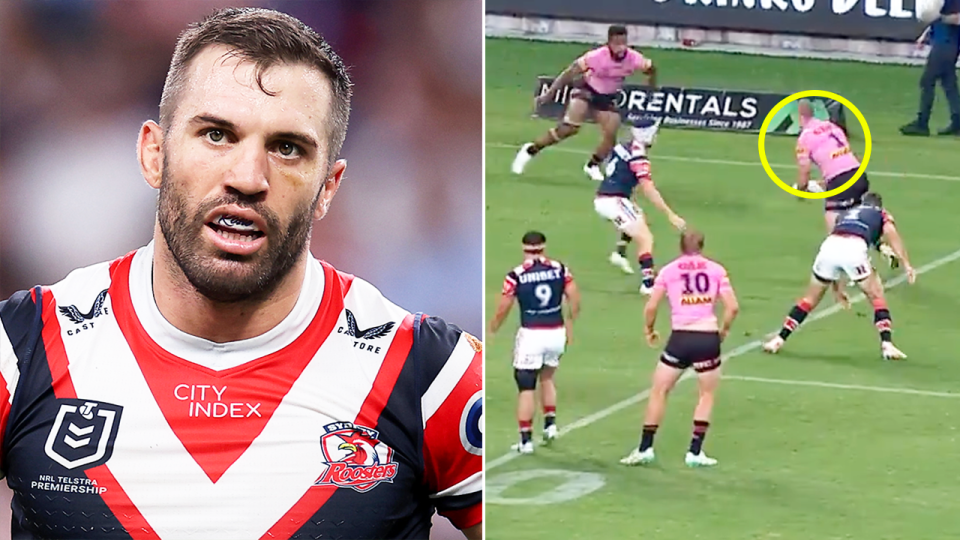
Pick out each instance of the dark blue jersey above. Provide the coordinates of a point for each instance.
(864, 221)
(538, 286)
(628, 168)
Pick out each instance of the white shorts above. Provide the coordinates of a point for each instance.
(538, 347)
(843, 254)
(620, 210)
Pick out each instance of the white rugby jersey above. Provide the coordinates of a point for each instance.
(352, 418)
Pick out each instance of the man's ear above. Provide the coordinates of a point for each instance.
(150, 153)
(329, 189)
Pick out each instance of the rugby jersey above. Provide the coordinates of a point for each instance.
(352, 418)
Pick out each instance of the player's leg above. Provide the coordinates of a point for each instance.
(526, 385)
(827, 269)
(575, 115)
(708, 379)
(665, 376)
(641, 234)
(609, 123)
(872, 288)
(548, 400)
(619, 258)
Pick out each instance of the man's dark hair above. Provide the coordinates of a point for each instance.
(616, 30)
(873, 199)
(267, 38)
(535, 240)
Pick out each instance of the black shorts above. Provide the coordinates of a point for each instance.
(686, 349)
(598, 102)
(852, 196)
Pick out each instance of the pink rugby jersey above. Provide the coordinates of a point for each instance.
(604, 74)
(693, 283)
(825, 144)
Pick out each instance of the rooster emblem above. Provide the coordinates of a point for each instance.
(369, 333)
(74, 314)
(360, 448)
(355, 457)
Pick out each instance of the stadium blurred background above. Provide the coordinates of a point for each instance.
(79, 77)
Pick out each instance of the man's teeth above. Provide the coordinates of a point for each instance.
(237, 223)
(236, 237)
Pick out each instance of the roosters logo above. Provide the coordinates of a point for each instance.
(355, 458)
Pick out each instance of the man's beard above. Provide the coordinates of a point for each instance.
(226, 277)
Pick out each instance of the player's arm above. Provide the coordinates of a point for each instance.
(892, 235)
(452, 410)
(650, 313)
(731, 307)
(651, 73)
(507, 296)
(19, 316)
(803, 166)
(574, 70)
(652, 194)
(572, 294)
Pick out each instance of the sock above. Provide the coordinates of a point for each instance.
(699, 434)
(646, 269)
(622, 244)
(595, 161)
(881, 319)
(526, 428)
(797, 314)
(646, 439)
(549, 416)
(534, 149)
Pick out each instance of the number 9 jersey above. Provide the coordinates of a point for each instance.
(538, 285)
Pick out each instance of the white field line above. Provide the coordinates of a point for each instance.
(739, 351)
(756, 164)
(822, 384)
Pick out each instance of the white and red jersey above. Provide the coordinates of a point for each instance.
(352, 418)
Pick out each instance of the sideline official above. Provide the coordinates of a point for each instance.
(944, 34)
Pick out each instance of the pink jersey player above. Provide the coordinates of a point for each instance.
(692, 284)
(826, 145)
(604, 73)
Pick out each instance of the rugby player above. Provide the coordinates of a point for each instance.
(845, 251)
(221, 382)
(539, 286)
(614, 200)
(597, 76)
(693, 284)
(826, 145)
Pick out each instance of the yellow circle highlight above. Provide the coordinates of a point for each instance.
(805, 194)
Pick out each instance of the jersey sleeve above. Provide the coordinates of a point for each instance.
(640, 61)
(19, 332)
(660, 282)
(887, 217)
(724, 278)
(567, 276)
(641, 169)
(453, 422)
(510, 285)
(586, 60)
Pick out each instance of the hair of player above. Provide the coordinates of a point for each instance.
(873, 199)
(804, 108)
(267, 38)
(616, 30)
(691, 241)
(534, 242)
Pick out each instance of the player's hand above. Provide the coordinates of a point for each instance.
(911, 274)
(723, 334)
(540, 100)
(652, 337)
(678, 222)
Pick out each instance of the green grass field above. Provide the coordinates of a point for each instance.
(823, 441)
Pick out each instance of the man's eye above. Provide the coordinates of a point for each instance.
(288, 149)
(216, 135)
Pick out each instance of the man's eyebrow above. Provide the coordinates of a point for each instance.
(302, 138)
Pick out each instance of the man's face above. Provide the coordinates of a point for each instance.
(618, 47)
(243, 173)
